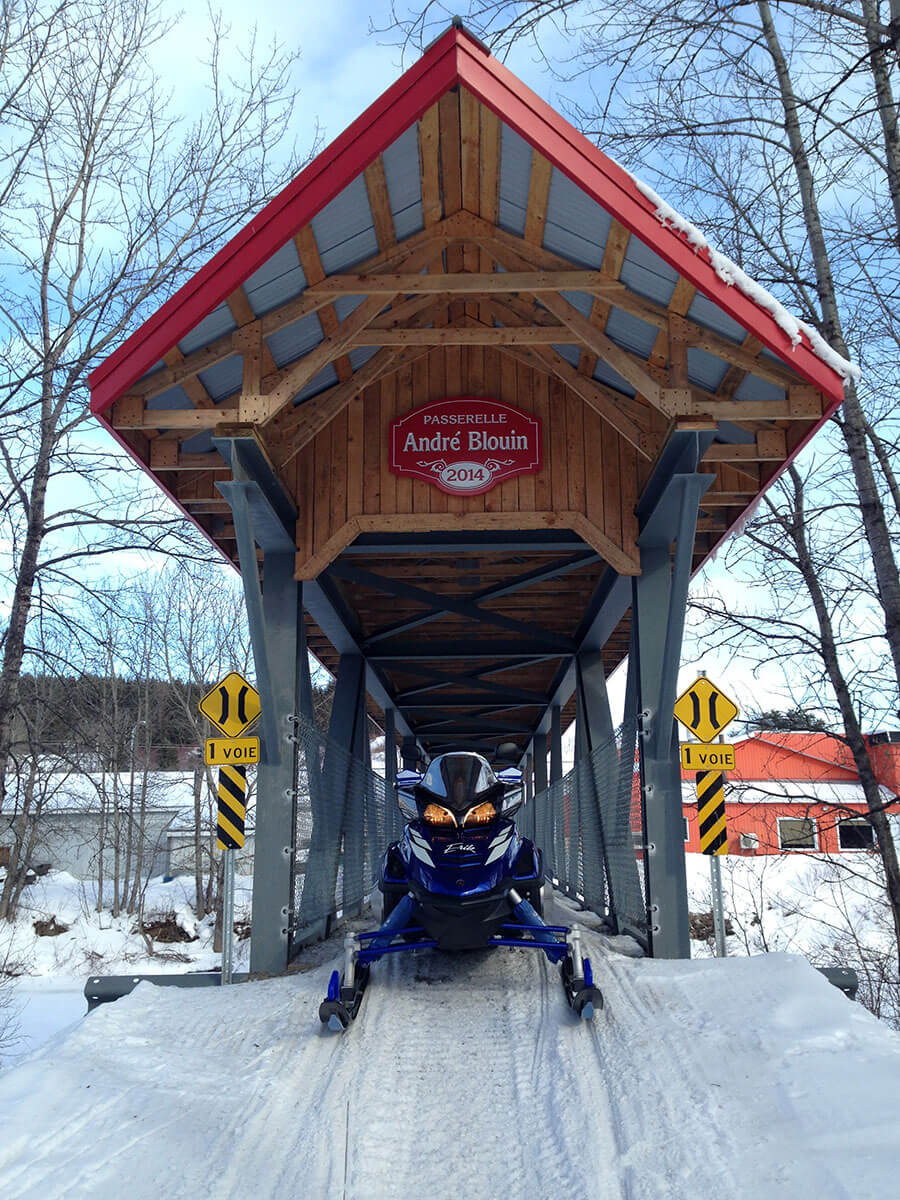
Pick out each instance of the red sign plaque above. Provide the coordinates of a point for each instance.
(465, 445)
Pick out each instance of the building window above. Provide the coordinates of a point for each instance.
(796, 833)
(856, 834)
(687, 829)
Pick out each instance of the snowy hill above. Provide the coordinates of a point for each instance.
(466, 1076)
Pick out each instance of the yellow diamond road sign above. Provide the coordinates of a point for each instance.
(232, 705)
(704, 709)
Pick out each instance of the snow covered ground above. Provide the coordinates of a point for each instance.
(467, 1076)
(45, 992)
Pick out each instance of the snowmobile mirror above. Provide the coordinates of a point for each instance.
(510, 776)
(407, 778)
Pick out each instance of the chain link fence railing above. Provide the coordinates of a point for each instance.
(345, 818)
(588, 825)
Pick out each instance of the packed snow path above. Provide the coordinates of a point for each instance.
(466, 1077)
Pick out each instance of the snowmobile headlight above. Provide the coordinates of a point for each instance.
(481, 814)
(436, 814)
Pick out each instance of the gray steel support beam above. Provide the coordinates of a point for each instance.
(556, 815)
(275, 618)
(540, 763)
(330, 821)
(409, 753)
(659, 599)
(555, 744)
(276, 778)
(597, 759)
(394, 822)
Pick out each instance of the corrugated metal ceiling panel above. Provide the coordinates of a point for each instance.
(223, 379)
(704, 369)
(515, 173)
(630, 332)
(580, 300)
(572, 354)
(173, 397)
(754, 388)
(705, 313)
(344, 232)
(216, 325)
(344, 305)
(326, 378)
(604, 373)
(576, 227)
(295, 340)
(277, 281)
(361, 355)
(404, 183)
(646, 273)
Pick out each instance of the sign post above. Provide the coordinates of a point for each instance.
(233, 707)
(706, 711)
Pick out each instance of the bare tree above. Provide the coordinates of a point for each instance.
(112, 197)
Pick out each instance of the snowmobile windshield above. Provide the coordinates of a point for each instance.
(459, 781)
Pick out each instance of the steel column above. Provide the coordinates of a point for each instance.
(409, 753)
(556, 744)
(659, 598)
(329, 821)
(540, 763)
(597, 760)
(276, 779)
(394, 823)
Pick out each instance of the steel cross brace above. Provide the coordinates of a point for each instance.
(440, 604)
(552, 570)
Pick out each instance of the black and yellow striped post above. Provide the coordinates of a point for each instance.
(711, 812)
(232, 807)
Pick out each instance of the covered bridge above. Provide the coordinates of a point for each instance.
(616, 400)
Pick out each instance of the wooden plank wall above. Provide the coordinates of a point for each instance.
(343, 473)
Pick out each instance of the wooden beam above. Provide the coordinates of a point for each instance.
(681, 300)
(655, 314)
(611, 265)
(627, 365)
(538, 194)
(165, 456)
(593, 394)
(429, 166)
(311, 262)
(770, 446)
(727, 499)
(430, 241)
(694, 402)
(129, 417)
(380, 204)
(462, 282)
(192, 386)
(467, 335)
(314, 414)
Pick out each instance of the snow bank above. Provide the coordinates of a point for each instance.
(731, 274)
(97, 941)
(467, 1075)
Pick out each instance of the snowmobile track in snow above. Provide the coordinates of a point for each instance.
(466, 1077)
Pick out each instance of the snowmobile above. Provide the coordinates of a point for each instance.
(460, 878)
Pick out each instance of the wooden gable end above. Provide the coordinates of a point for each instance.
(589, 482)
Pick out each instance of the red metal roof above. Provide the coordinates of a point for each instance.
(456, 58)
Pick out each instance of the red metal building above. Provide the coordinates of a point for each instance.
(798, 792)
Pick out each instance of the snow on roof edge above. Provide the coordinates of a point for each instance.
(732, 275)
